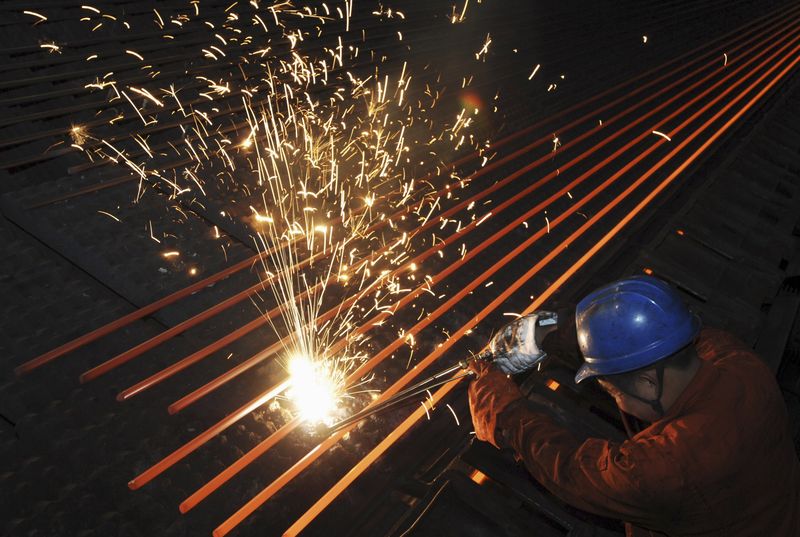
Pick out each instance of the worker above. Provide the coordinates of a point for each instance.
(716, 456)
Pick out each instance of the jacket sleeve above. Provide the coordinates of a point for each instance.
(636, 480)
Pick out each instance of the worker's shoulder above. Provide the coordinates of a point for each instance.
(742, 377)
(722, 348)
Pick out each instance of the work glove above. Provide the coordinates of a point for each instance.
(517, 346)
(489, 395)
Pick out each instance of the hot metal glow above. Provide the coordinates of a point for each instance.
(314, 390)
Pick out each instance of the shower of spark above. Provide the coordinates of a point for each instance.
(312, 147)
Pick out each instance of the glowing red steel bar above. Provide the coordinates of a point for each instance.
(173, 297)
(251, 362)
(181, 327)
(193, 358)
(177, 455)
(264, 446)
(131, 317)
(254, 360)
(362, 465)
(226, 474)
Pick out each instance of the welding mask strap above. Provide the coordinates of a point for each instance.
(626, 423)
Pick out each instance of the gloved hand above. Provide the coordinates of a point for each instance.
(517, 346)
(491, 393)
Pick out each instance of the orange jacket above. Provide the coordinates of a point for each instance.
(720, 462)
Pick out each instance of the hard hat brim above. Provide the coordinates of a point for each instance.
(586, 371)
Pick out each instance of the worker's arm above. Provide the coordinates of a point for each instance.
(637, 480)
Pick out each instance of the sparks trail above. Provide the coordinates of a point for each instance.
(295, 151)
(378, 147)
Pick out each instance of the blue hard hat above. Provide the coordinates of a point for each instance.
(630, 324)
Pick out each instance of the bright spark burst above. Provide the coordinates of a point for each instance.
(313, 389)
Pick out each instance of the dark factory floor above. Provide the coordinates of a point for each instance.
(96, 439)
